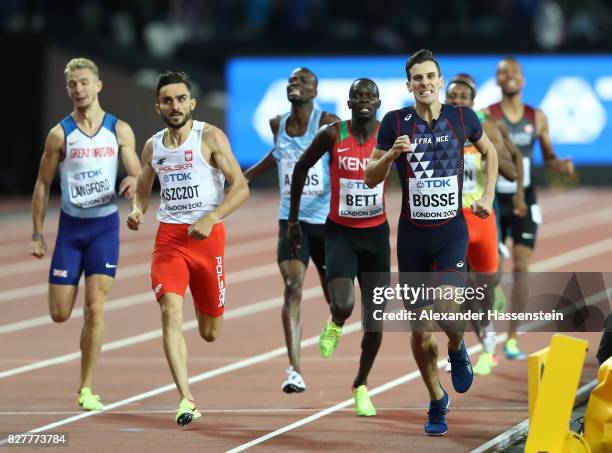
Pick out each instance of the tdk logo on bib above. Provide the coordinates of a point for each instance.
(434, 183)
(433, 198)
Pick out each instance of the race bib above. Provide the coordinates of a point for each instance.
(359, 201)
(89, 188)
(313, 185)
(180, 192)
(433, 198)
(505, 186)
(470, 167)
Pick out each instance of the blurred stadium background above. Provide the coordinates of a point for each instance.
(240, 52)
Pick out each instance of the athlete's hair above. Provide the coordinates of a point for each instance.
(508, 58)
(465, 79)
(363, 80)
(81, 63)
(421, 56)
(170, 77)
(464, 83)
(305, 69)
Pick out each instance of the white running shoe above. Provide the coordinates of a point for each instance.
(294, 382)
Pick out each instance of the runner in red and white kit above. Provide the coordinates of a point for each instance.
(356, 230)
(193, 160)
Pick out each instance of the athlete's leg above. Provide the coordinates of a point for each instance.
(61, 301)
(175, 348)
(425, 353)
(342, 295)
(292, 272)
(373, 271)
(521, 255)
(209, 326)
(97, 287)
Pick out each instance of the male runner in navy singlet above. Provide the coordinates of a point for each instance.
(425, 142)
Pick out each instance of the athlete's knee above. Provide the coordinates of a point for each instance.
(424, 342)
(58, 315)
(171, 313)
(521, 264)
(293, 285)
(342, 306)
(93, 311)
(209, 334)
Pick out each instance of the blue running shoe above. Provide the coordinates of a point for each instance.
(436, 417)
(461, 369)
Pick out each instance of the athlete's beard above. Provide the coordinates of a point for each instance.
(179, 125)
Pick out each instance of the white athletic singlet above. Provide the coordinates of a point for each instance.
(190, 186)
(88, 171)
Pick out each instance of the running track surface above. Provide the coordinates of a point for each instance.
(239, 376)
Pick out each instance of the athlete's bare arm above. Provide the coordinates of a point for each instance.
(505, 164)
(144, 183)
(380, 163)
(222, 158)
(268, 160)
(551, 160)
(483, 207)
(52, 154)
(322, 142)
(127, 149)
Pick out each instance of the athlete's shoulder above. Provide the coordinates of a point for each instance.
(398, 115)
(123, 128)
(328, 118)
(56, 135)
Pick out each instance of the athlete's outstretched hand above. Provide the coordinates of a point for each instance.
(135, 219)
(38, 247)
(201, 228)
(127, 188)
(482, 207)
(294, 239)
(565, 166)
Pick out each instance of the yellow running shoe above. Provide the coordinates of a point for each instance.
(89, 401)
(187, 412)
(329, 339)
(484, 364)
(363, 405)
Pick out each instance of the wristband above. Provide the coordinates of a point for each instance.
(37, 236)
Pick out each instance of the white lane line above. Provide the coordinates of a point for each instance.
(242, 276)
(276, 410)
(136, 248)
(309, 293)
(346, 403)
(254, 360)
(134, 270)
(576, 223)
(578, 254)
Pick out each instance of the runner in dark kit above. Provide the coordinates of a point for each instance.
(356, 231)
(426, 143)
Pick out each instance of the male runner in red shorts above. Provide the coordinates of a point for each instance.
(193, 160)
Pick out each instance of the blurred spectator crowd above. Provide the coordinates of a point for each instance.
(214, 29)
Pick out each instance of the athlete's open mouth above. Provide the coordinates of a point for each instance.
(426, 92)
(293, 91)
